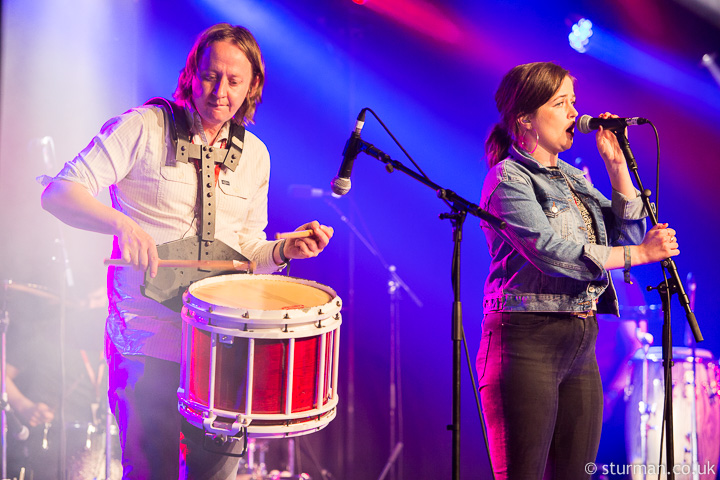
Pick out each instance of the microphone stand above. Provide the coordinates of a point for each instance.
(4, 323)
(666, 289)
(459, 210)
(394, 283)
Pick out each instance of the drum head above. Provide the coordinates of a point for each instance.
(260, 293)
(259, 299)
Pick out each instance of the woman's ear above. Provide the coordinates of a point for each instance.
(524, 122)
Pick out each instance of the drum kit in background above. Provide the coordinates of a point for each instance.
(259, 362)
(696, 412)
(695, 395)
(57, 347)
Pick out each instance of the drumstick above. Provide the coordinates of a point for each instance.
(296, 234)
(205, 264)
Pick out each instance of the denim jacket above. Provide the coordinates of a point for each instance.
(543, 261)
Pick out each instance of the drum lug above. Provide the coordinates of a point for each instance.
(232, 430)
(226, 339)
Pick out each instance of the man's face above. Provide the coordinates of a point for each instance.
(221, 84)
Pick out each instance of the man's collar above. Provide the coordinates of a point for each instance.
(196, 128)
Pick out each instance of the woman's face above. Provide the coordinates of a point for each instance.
(554, 122)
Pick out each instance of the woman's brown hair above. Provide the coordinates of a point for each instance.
(522, 91)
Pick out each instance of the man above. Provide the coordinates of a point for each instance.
(157, 199)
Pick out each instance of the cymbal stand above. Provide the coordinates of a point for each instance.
(66, 282)
(4, 323)
(395, 283)
(690, 342)
(5, 410)
(644, 408)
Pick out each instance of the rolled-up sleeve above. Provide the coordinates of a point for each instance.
(629, 226)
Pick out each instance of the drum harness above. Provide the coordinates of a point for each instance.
(170, 283)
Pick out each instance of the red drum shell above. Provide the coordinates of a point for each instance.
(242, 364)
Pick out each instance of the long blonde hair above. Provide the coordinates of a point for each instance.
(244, 40)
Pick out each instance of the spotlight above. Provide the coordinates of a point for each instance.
(709, 61)
(580, 35)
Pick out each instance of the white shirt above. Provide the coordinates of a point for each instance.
(135, 158)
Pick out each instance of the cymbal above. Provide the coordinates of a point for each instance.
(30, 288)
(95, 300)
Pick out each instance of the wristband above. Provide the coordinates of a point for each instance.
(283, 258)
(626, 270)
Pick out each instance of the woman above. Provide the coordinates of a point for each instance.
(539, 382)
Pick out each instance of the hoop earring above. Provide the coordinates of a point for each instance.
(537, 141)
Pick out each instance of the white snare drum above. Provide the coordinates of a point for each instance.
(695, 409)
(259, 355)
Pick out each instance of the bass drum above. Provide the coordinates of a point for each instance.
(696, 413)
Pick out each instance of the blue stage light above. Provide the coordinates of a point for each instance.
(580, 35)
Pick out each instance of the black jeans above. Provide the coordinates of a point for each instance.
(143, 397)
(541, 394)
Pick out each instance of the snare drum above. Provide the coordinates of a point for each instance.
(693, 409)
(259, 355)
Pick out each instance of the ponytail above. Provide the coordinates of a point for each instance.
(497, 145)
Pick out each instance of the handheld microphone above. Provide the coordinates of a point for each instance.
(587, 123)
(341, 183)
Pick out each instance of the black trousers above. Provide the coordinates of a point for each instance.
(143, 397)
(541, 394)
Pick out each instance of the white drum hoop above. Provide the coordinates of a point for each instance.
(224, 323)
(234, 316)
